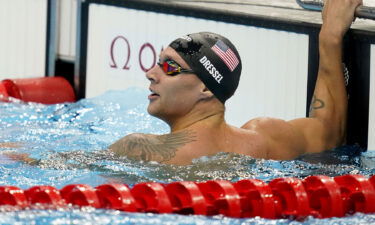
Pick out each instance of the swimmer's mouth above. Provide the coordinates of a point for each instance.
(153, 93)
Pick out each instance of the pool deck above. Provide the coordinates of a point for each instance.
(285, 10)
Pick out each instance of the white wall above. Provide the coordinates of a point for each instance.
(371, 122)
(275, 63)
(67, 29)
(23, 29)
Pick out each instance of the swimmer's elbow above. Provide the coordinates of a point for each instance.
(332, 126)
(337, 132)
(318, 135)
(339, 138)
(334, 137)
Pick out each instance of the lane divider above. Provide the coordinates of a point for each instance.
(292, 198)
(46, 90)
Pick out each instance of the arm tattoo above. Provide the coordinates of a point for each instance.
(159, 148)
(316, 103)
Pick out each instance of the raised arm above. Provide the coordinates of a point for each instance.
(326, 126)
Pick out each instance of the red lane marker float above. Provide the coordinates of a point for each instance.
(116, 196)
(151, 197)
(221, 197)
(324, 196)
(81, 195)
(256, 199)
(46, 90)
(372, 180)
(11, 89)
(290, 197)
(186, 198)
(319, 196)
(46, 195)
(3, 92)
(357, 192)
(14, 196)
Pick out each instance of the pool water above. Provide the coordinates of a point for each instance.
(69, 141)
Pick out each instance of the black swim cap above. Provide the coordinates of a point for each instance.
(214, 59)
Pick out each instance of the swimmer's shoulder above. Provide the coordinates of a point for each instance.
(131, 141)
(150, 147)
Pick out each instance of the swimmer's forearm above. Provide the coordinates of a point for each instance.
(329, 103)
(21, 157)
(10, 145)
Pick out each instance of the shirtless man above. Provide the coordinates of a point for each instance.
(192, 81)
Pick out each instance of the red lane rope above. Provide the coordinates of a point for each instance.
(318, 196)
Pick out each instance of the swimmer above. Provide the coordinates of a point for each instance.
(193, 79)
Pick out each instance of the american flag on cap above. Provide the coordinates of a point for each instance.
(226, 54)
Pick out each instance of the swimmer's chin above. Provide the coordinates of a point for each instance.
(155, 114)
(150, 111)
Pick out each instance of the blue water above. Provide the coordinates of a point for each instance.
(69, 141)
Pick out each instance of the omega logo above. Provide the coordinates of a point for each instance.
(125, 46)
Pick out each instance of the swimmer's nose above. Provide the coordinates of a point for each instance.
(152, 74)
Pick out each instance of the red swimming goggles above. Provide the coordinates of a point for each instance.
(172, 68)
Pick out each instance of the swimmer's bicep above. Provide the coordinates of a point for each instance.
(289, 139)
(313, 133)
(286, 139)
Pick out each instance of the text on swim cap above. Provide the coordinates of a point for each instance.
(211, 69)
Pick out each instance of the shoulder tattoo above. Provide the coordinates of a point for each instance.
(158, 148)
